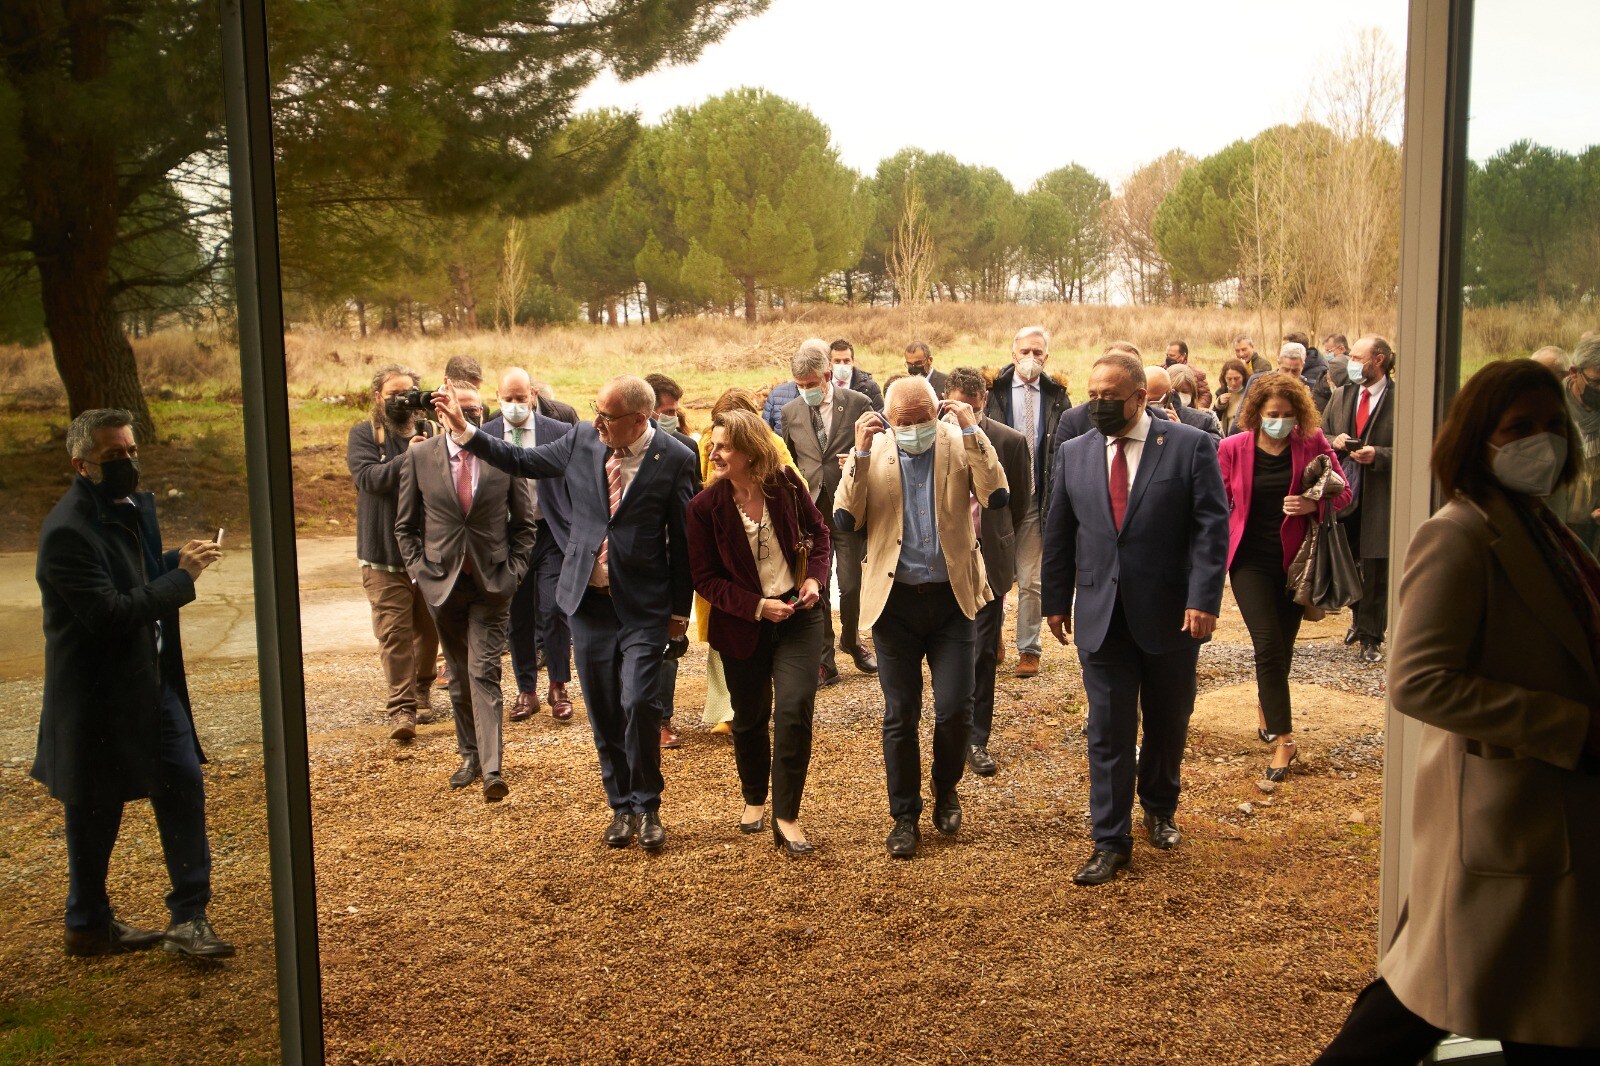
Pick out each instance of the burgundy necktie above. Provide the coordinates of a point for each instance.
(1363, 411)
(464, 495)
(1119, 482)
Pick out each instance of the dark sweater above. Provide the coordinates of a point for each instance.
(376, 470)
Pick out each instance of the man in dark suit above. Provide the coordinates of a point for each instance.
(625, 581)
(669, 395)
(466, 533)
(919, 361)
(997, 541)
(1359, 424)
(819, 426)
(1137, 539)
(1030, 402)
(536, 622)
(116, 723)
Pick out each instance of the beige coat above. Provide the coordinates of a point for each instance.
(1500, 936)
(963, 466)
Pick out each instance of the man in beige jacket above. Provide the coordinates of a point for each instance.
(913, 484)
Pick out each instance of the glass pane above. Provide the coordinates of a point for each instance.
(129, 647)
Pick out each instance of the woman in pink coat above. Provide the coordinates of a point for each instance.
(1268, 519)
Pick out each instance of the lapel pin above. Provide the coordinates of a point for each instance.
(656, 456)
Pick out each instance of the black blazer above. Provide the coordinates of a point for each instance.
(1371, 481)
(998, 525)
(1054, 403)
(104, 585)
(553, 502)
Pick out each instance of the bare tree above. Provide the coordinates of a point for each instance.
(912, 261)
(1130, 224)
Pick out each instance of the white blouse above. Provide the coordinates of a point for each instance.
(771, 567)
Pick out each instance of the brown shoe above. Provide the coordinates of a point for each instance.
(1027, 665)
(526, 707)
(670, 739)
(560, 705)
(405, 727)
(114, 938)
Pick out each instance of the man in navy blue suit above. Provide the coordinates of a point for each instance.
(624, 578)
(535, 618)
(1138, 534)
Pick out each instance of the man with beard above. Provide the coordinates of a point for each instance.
(408, 644)
(919, 362)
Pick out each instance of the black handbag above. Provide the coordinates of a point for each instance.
(1323, 575)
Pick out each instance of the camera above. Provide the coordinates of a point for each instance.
(414, 400)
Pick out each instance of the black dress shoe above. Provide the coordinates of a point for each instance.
(467, 774)
(981, 762)
(196, 939)
(865, 661)
(620, 833)
(902, 841)
(827, 678)
(1350, 636)
(947, 813)
(495, 788)
(792, 848)
(651, 833)
(1370, 652)
(1163, 831)
(1101, 867)
(113, 938)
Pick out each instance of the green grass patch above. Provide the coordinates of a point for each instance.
(57, 1026)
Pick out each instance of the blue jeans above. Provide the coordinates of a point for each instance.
(178, 798)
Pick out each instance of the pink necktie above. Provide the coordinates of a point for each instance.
(614, 489)
(464, 495)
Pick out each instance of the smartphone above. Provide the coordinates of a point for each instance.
(218, 537)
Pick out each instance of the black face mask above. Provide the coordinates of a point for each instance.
(474, 416)
(917, 368)
(118, 478)
(1591, 397)
(1108, 416)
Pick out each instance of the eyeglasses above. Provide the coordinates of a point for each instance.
(608, 419)
(763, 542)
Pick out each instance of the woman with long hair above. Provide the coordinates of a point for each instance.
(758, 551)
(1268, 520)
(1230, 394)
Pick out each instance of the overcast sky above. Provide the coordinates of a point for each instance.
(1030, 85)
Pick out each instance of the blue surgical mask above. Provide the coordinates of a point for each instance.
(668, 423)
(1277, 428)
(842, 375)
(812, 397)
(914, 440)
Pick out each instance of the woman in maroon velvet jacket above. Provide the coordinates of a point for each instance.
(746, 532)
(1268, 519)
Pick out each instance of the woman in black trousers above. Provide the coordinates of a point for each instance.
(1268, 521)
(758, 550)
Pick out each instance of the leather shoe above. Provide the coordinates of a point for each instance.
(196, 939)
(526, 707)
(1101, 867)
(651, 832)
(947, 813)
(669, 738)
(113, 938)
(981, 762)
(827, 678)
(1370, 652)
(902, 841)
(1163, 831)
(1027, 665)
(1350, 636)
(620, 833)
(865, 661)
(495, 788)
(560, 705)
(404, 727)
(467, 774)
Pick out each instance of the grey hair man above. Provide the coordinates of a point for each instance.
(1553, 359)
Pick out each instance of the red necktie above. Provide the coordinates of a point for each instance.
(464, 494)
(1363, 411)
(1119, 482)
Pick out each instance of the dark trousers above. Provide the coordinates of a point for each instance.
(1118, 678)
(777, 684)
(472, 632)
(536, 620)
(1273, 619)
(1371, 611)
(849, 549)
(986, 652)
(619, 667)
(179, 801)
(923, 622)
(1382, 1031)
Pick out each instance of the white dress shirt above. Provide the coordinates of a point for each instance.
(1375, 391)
(529, 440)
(1130, 451)
(771, 567)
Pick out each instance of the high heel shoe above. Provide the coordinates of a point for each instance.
(1264, 736)
(791, 848)
(1278, 773)
(753, 827)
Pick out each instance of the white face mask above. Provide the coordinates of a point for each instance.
(841, 375)
(516, 413)
(1029, 369)
(667, 423)
(1531, 465)
(1185, 399)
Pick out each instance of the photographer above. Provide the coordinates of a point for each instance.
(407, 642)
